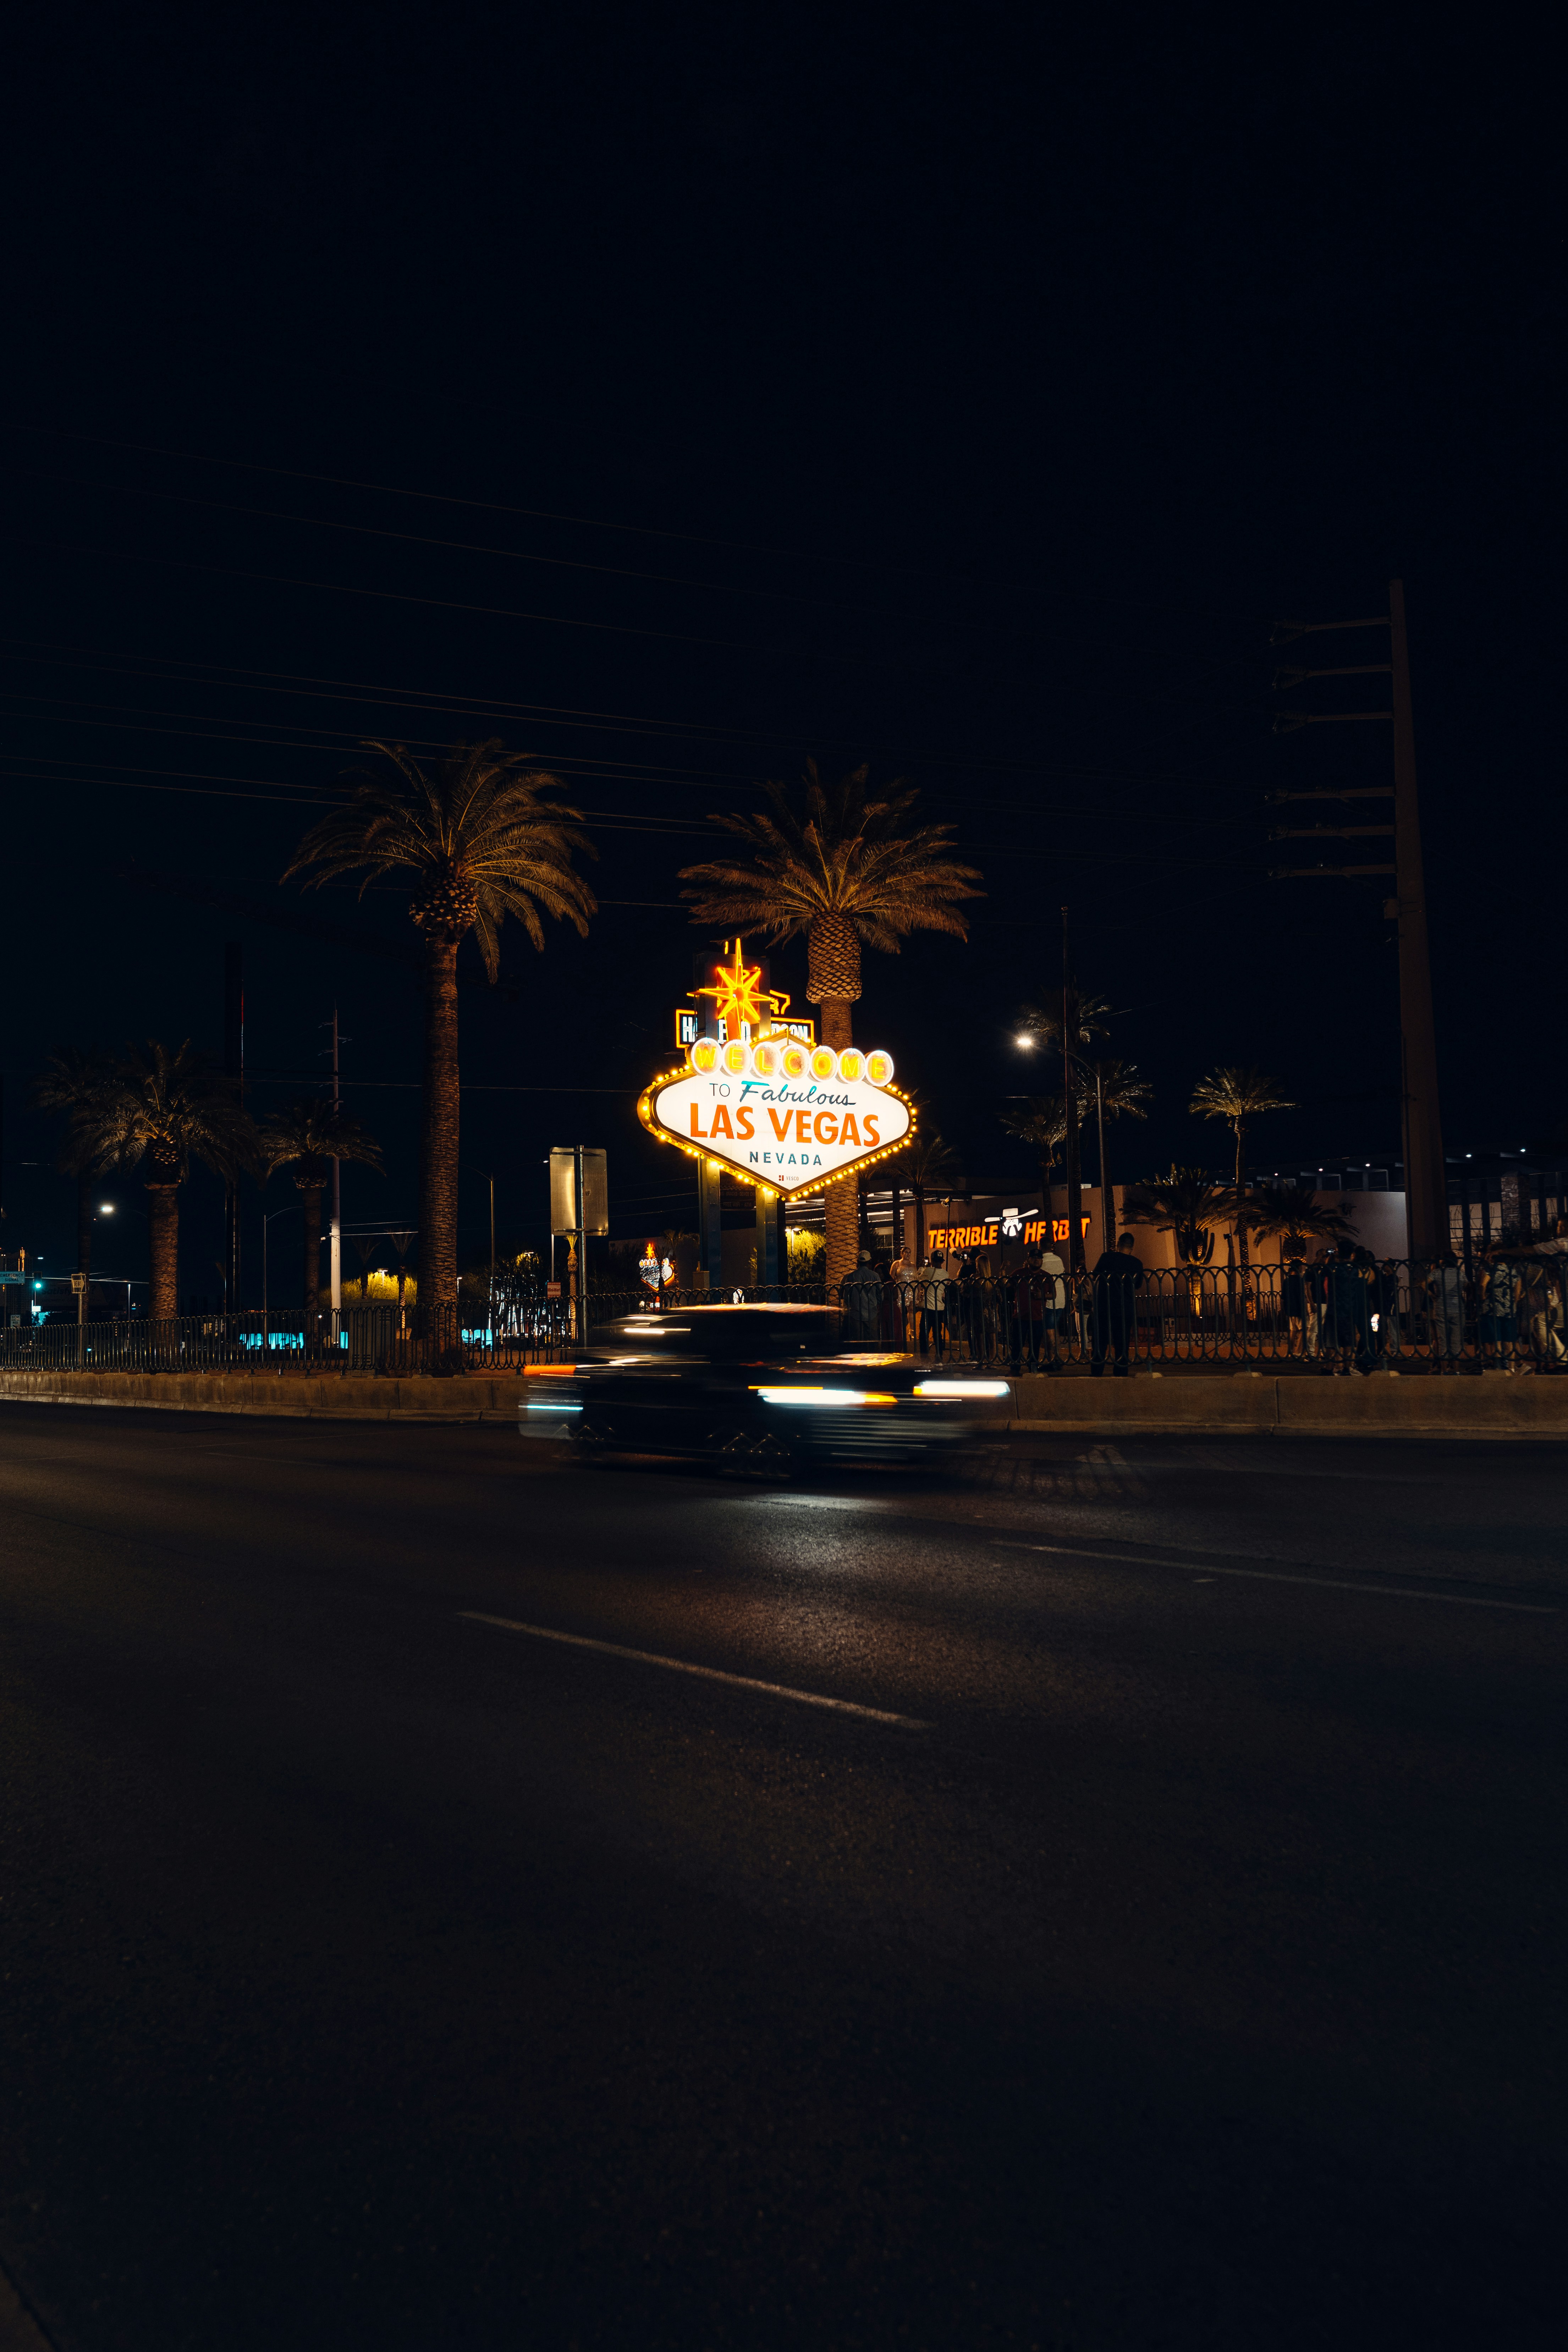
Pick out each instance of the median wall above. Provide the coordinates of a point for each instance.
(293, 1395)
(1228, 1404)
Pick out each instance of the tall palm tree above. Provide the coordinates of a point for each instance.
(1184, 1203)
(73, 1083)
(305, 1138)
(1239, 1097)
(159, 1110)
(1068, 1021)
(1113, 1090)
(1040, 1121)
(483, 842)
(926, 1164)
(848, 870)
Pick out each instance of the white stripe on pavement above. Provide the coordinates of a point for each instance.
(1284, 1576)
(684, 1667)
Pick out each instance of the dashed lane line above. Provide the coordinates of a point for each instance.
(707, 1673)
(1285, 1576)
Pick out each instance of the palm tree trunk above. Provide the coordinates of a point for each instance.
(310, 1206)
(164, 1243)
(439, 1158)
(843, 1202)
(1240, 1189)
(84, 1221)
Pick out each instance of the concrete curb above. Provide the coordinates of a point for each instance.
(1224, 1404)
(289, 1398)
(1235, 1405)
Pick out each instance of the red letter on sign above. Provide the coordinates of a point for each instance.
(696, 1130)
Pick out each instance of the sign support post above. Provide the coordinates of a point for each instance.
(768, 1221)
(710, 1246)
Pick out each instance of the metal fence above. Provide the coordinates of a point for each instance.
(1342, 1315)
(1507, 1313)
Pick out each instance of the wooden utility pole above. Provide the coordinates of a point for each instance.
(1425, 1178)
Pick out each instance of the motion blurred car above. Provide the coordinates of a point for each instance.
(753, 1389)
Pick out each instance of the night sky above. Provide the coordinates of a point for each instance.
(675, 396)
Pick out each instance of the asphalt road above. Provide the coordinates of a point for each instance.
(1184, 1970)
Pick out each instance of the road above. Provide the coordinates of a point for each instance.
(1182, 1967)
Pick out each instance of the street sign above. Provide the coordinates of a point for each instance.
(789, 1118)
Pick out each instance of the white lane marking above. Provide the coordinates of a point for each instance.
(822, 1502)
(1283, 1576)
(684, 1667)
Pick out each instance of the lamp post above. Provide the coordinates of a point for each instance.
(475, 1170)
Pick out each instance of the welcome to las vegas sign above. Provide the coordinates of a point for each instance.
(787, 1117)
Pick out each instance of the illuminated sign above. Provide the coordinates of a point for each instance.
(982, 1236)
(788, 1116)
(733, 1003)
(689, 1027)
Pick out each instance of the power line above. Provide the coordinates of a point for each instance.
(401, 596)
(468, 547)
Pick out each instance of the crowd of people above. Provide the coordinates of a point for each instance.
(1340, 1311)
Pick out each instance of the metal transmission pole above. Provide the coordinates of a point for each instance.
(1426, 1179)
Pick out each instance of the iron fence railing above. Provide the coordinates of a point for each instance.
(1508, 1313)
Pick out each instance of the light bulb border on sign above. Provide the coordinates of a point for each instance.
(856, 1168)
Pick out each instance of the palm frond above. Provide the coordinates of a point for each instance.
(834, 850)
(163, 1108)
(1237, 1094)
(305, 1135)
(476, 831)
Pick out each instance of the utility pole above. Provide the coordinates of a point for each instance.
(336, 1260)
(234, 1068)
(1425, 1178)
(1069, 1112)
(1425, 1175)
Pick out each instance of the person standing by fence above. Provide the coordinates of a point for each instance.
(1118, 1278)
(1496, 1327)
(1445, 1288)
(862, 1302)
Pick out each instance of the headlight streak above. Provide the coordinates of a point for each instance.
(819, 1397)
(937, 1389)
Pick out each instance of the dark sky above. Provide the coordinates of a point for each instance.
(675, 394)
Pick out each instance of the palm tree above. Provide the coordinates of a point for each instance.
(483, 842)
(1068, 1021)
(159, 1110)
(74, 1082)
(1292, 1211)
(1041, 1121)
(1183, 1204)
(926, 1164)
(1116, 1091)
(1239, 1097)
(305, 1138)
(848, 871)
